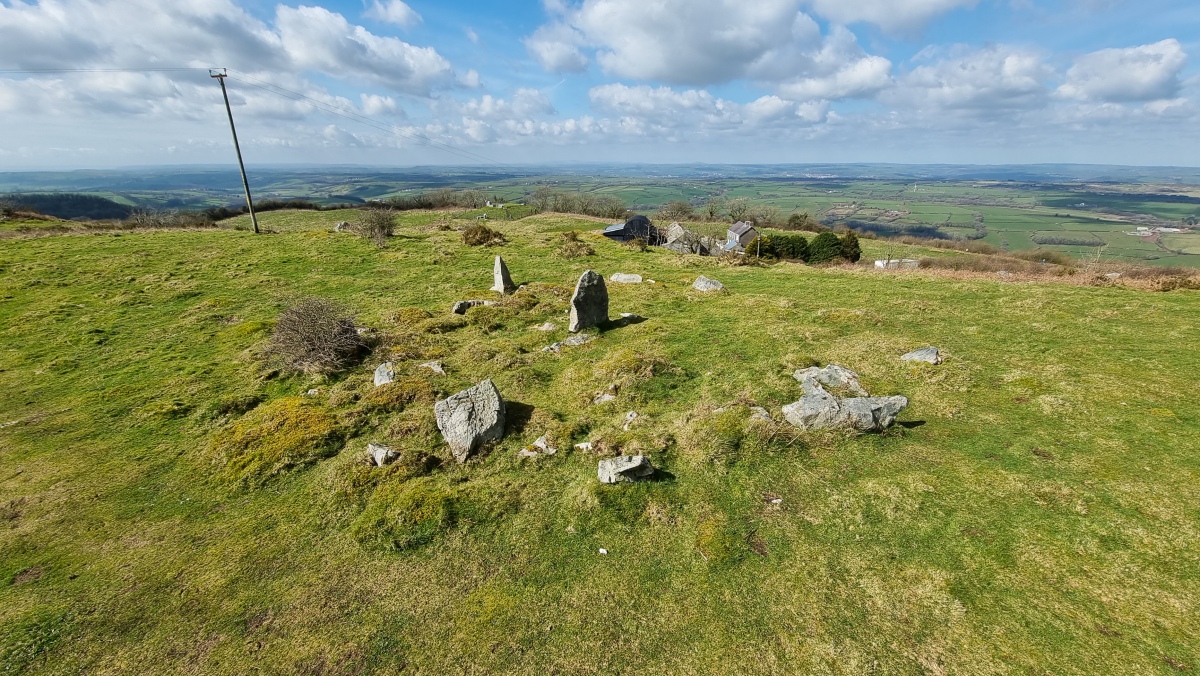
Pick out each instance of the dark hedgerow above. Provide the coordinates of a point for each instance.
(851, 250)
(824, 248)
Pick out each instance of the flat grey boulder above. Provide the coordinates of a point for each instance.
(471, 418)
(622, 278)
(820, 410)
(832, 376)
(929, 355)
(461, 307)
(703, 283)
(503, 281)
(571, 341)
(385, 374)
(627, 468)
(435, 366)
(381, 455)
(589, 304)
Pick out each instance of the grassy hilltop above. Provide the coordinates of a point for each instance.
(170, 505)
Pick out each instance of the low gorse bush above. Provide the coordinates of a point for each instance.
(315, 336)
(481, 235)
(573, 247)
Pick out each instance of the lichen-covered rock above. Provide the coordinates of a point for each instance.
(623, 278)
(589, 304)
(929, 355)
(626, 468)
(381, 455)
(571, 341)
(435, 366)
(385, 374)
(461, 307)
(471, 418)
(818, 410)
(831, 376)
(703, 283)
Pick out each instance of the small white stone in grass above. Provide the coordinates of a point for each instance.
(777, 501)
(586, 447)
(313, 393)
(435, 366)
(629, 418)
(527, 453)
(603, 550)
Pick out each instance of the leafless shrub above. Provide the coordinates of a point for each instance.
(315, 336)
(165, 218)
(377, 224)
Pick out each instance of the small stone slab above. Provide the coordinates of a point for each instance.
(585, 447)
(604, 398)
(760, 414)
(703, 283)
(342, 226)
(929, 355)
(435, 366)
(385, 374)
(544, 446)
(625, 469)
(571, 341)
(471, 418)
(622, 278)
(589, 303)
(629, 418)
(381, 455)
(461, 307)
(503, 281)
(548, 326)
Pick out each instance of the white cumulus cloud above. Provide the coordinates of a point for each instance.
(1145, 73)
(985, 80)
(892, 15)
(393, 12)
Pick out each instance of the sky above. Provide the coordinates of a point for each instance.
(89, 83)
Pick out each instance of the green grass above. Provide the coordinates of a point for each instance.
(1038, 514)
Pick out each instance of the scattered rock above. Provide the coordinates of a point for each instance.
(503, 281)
(461, 307)
(1113, 275)
(342, 226)
(548, 326)
(819, 410)
(544, 446)
(929, 355)
(385, 374)
(622, 278)
(435, 366)
(365, 331)
(631, 315)
(603, 550)
(629, 418)
(585, 447)
(381, 455)
(589, 304)
(627, 468)
(571, 341)
(527, 453)
(312, 393)
(604, 398)
(759, 413)
(703, 283)
(831, 376)
(471, 418)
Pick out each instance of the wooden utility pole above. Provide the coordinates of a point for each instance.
(220, 76)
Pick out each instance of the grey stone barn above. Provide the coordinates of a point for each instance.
(740, 234)
(637, 226)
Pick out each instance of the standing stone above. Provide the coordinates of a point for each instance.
(503, 281)
(929, 355)
(471, 418)
(589, 305)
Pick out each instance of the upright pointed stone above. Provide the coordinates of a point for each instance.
(589, 305)
(504, 283)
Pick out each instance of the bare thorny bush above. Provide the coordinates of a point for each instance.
(315, 336)
(377, 225)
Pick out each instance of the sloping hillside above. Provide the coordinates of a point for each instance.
(170, 504)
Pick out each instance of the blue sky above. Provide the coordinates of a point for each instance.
(917, 81)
